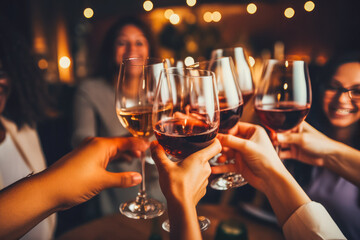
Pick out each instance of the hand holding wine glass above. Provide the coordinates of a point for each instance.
(186, 114)
(283, 97)
(134, 98)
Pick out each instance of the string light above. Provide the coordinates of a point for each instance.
(216, 16)
(174, 19)
(309, 6)
(191, 3)
(168, 13)
(64, 62)
(148, 5)
(251, 8)
(88, 13)
(207, 17)
(289, 12)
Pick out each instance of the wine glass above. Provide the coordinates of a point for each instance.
(242, 69)
(186, 115)
(231, 108)
(283, 97)
(134, 98)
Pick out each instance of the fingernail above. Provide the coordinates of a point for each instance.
(136, 178)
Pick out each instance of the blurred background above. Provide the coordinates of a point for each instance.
(65, 35)
(65, 38)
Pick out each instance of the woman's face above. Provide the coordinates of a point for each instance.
(131, 42)
(4, 92)
(340, 109)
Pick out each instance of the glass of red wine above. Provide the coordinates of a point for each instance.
(134, 101)
(231, 108)
(242, 69)
(186, 115)
(283, 97)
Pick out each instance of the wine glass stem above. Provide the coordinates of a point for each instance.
(142, 193)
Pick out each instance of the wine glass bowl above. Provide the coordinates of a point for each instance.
(186, 115)
(231, 108)
(134, 98)
(283, 97)
(242, 69)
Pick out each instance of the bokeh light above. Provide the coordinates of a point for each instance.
(251, 8)
(148, 5)
(64, 62)
(43, 64)
(174, 19)
(216, 16)
(207, 17)
(309, 6)
(289, 12)
(189, 61)
(88, 13)
(168, 13)
(191, 3)
(251, 61)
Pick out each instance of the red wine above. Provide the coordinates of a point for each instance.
(247, 96)
(229, 116)
(282, 116)
(182, 137)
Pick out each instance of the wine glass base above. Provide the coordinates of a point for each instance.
(150, 208)
(204, 224)
(227, 181)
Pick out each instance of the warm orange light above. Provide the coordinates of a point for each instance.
(64, 62)
(88, 13)
(168, 13)
(289, 12)
(207, 17)
(251, 61)
(309, 6)
(251, 8)
(43, 64)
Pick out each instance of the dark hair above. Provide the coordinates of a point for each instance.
(106, 67)
(29, 101)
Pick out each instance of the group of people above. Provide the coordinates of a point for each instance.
(102, 161)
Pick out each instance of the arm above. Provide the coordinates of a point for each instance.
(184, 184)
(312, 147)
(257, 161)
(73, 179)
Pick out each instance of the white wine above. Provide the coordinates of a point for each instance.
(138, 120)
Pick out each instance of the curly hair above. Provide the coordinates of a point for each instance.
(29, 101)
(106, 66)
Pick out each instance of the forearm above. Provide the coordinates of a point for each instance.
(23, 205)
(284, 194)
(183, 220)
(344, 161)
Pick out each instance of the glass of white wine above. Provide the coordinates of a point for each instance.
(135, 91)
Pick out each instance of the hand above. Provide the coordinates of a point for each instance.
(255, 156)
(81, 174)
(307, 145)
(187, 179)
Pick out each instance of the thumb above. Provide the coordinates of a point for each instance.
(158, 154)
(123, 179)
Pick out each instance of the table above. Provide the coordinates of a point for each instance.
(120, 227)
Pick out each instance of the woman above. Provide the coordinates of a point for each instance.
(23, 103)
(336, 113)
(94, 105)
